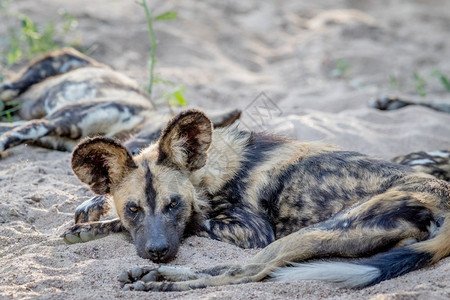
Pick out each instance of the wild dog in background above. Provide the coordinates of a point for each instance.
(301, 201)
(436, 163)
(65, 96)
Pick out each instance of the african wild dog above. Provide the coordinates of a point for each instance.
(301, 201)
(436, 163)
(66, 96)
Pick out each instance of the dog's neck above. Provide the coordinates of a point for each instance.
(224, 159)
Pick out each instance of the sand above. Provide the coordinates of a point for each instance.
(269, 58)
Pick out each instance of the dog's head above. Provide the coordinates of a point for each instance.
(153, 195)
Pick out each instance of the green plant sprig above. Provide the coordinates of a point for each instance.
(170, 15)
(175, 96)
(31, 39)
(444, 79)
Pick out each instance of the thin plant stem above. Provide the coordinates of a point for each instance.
(151, 34)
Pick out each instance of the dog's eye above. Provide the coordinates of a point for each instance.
(133, 208)
(174, 201)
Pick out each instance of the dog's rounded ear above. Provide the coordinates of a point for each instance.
(101, 163)
(185, 140)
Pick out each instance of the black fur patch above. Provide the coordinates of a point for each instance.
(150, 192)
(396, 262)
(388, 219)
(259, 146)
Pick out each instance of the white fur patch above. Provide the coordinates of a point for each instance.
(207, 224)
(110, 121)
(344, 274)
(438, 153)
(422, 161)
(85, 205)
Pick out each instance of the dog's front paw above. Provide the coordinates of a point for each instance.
(144, 274)
(80, 233)
(164, 278)
(91, 210)
(141, 286)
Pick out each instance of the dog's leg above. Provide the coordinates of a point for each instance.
(53, 63)
(31, 130)
(7, 126)
(436, 163)
(365, 229)
(91, 210)
(84, 232)
(242, 227)
(55, 143)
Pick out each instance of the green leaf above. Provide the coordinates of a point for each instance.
(14, 55)
(163, 81)
(181, 101)
(170, 15)
(445, 82)
(342, 68)
(420, 84)
(393, 81)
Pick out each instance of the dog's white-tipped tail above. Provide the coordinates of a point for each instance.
(344, 274)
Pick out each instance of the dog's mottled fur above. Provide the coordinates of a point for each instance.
(301, 201)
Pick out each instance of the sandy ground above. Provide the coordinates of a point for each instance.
(226, 53)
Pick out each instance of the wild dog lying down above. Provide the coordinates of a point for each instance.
(436, 163)
(66, 96)
(301, 201)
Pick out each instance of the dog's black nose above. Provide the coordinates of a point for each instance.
(157, 251)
